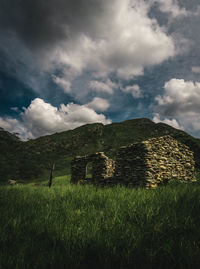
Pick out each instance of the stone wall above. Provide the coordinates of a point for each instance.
(149, 163)
(154, 161)
(131, 165)
(102, 168)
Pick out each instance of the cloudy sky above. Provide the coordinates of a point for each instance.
(65, 63)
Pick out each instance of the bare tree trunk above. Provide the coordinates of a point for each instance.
(51, 175)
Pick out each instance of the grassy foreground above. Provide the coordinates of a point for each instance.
(84, 227)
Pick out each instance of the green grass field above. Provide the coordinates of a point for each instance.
(84, 227)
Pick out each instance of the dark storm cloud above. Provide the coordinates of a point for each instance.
(93, 34)
(43, 23)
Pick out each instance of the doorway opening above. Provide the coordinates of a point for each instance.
(89, 170)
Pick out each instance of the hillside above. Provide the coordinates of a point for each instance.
(32, 159)
(10, 147)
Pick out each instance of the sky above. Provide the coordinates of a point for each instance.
(66, 63)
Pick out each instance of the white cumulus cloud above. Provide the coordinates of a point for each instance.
(134, 90)
(172, 122)
(102, 87)
(180, 97)
(41, 118)
(63, 83)
(181, 100)
(196, 69)
(124, 44)
(14, 126)
(99, 104)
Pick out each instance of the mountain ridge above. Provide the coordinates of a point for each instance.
(32, 159)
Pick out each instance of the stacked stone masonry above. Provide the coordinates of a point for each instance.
(102, 168)
(149, 163)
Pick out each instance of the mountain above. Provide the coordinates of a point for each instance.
(10, 145)
(33, 159)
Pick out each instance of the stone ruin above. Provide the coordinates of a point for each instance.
(148, 163)
(102, 168)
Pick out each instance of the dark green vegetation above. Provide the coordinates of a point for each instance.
(33, 159)
(83, 227)
(68, 226)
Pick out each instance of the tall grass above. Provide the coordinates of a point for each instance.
(83, 227)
